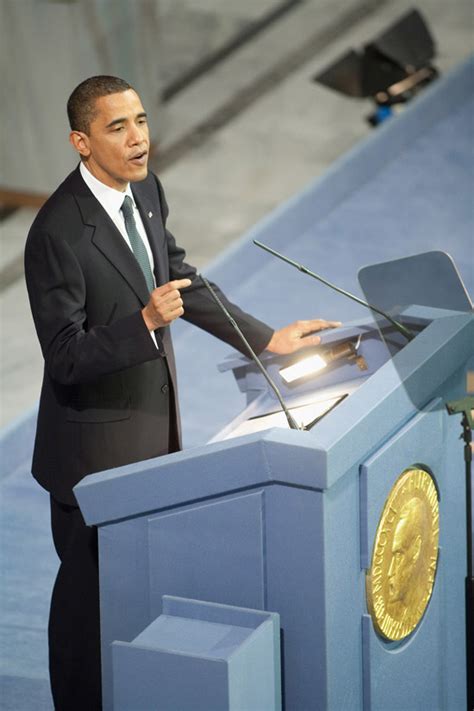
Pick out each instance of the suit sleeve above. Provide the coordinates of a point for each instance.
(200, 308)
(73, 352)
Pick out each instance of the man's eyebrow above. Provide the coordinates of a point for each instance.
(115, 121)
(124, 119)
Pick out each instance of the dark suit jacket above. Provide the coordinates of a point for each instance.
(108, 394)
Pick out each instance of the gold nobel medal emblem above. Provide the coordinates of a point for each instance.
(400, 580)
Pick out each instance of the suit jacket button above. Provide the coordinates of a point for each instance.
(165, 389)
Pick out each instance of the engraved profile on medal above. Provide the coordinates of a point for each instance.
(400, 580)
(405, 572)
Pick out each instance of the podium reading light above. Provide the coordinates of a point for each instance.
(314, 364)
(308, 366)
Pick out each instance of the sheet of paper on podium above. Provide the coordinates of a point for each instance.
(304, 415)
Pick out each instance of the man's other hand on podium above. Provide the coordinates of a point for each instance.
(299, 334)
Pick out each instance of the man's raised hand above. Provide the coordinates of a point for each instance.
(165, 304)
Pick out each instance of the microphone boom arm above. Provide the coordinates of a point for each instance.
(291, 421)
(400, 327)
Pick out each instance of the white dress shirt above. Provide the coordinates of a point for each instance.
(112, 200)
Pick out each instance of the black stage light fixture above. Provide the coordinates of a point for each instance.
(391, 69)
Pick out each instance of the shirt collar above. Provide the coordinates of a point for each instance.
(110, 199)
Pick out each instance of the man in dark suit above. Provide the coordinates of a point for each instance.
(105, 280)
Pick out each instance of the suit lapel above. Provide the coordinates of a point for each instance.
(108, 239)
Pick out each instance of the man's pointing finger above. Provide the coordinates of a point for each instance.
(180, 283)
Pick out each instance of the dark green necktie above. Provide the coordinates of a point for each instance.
(139, 249)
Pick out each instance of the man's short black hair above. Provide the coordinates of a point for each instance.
(81, 108)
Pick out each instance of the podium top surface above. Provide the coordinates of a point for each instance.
(310, 460)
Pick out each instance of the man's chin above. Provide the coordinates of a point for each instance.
(139, 175)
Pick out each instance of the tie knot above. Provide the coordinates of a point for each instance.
(127, 206)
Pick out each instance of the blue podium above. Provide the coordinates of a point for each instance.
(285, 521)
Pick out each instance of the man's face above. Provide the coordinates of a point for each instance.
(117, 145)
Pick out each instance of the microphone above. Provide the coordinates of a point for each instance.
(291, 422)
(399, 326)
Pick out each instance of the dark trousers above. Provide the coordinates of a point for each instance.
(74, 620)
(74, 623)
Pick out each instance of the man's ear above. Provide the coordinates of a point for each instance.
(80, 141)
